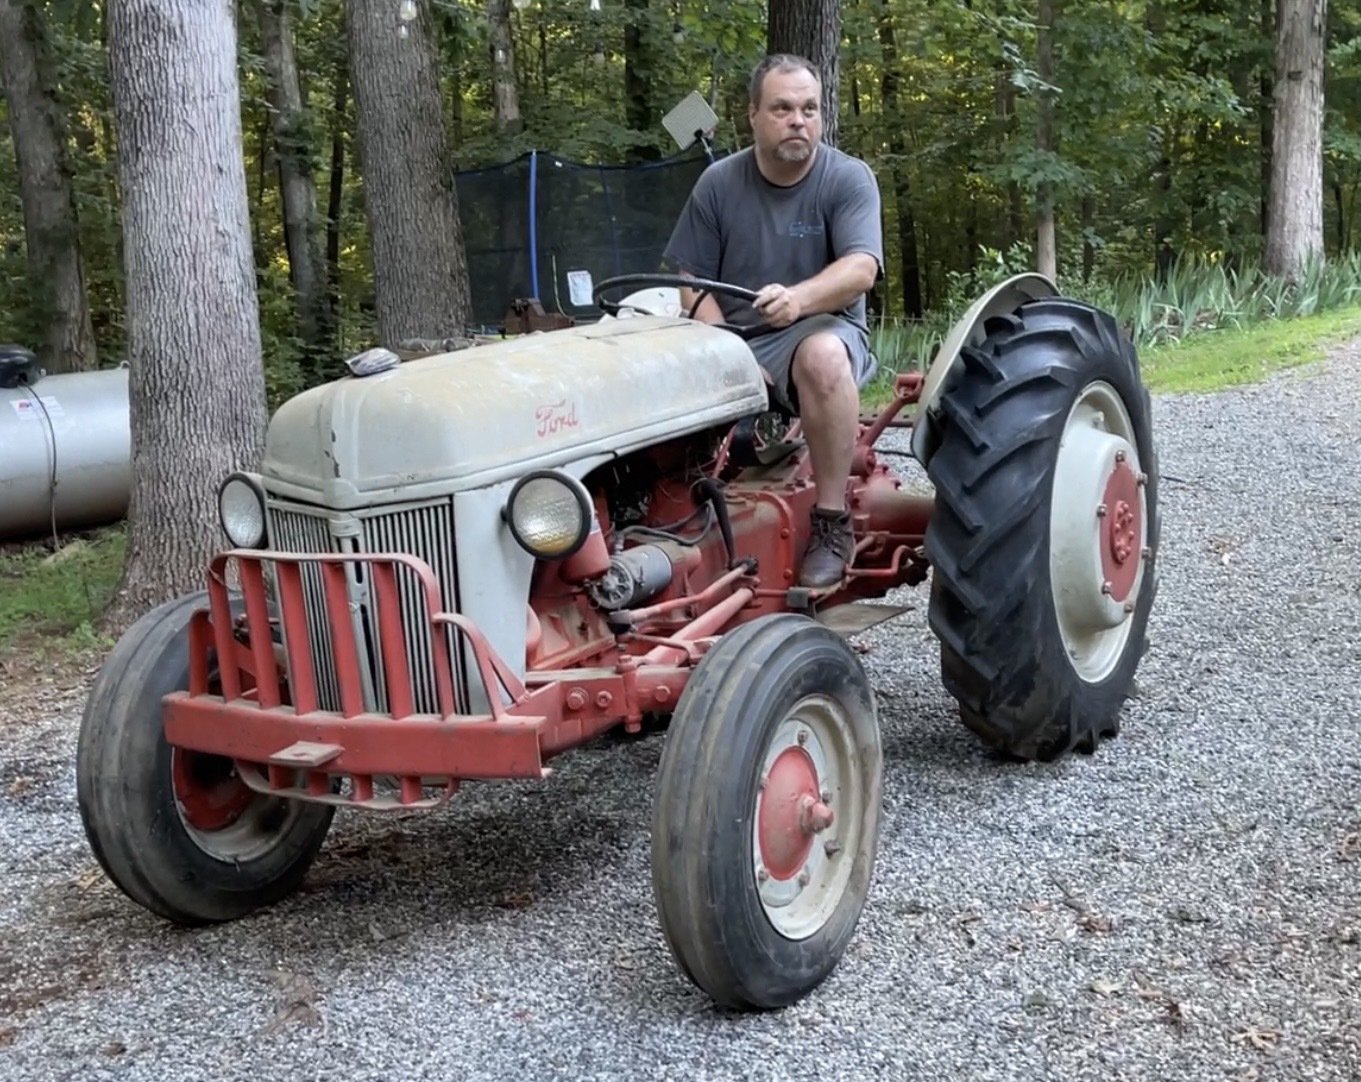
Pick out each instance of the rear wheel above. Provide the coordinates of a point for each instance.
(178, 831)
(1044, 539)
(767, 814)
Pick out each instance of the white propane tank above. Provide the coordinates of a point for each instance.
(71, 428)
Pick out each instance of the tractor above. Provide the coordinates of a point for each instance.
(457, 567)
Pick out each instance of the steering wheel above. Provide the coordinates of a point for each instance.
(705, 286)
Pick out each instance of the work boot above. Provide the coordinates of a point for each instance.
(829, 548)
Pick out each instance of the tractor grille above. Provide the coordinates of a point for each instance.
(425, 531)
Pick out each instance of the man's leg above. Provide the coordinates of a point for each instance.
(829, 407)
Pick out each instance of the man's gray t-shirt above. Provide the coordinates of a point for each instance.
(738, 227)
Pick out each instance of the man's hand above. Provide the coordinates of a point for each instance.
(779, 305)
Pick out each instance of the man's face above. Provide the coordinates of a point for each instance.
(788, 121)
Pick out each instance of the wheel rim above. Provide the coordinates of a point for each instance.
(220, 813)
(808, 817)
(1097, 531)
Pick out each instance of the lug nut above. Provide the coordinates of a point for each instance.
(762, 875)
(1106, 589)
(803, 736)
(1129, 606)
(1119, 456)
(832, 848)
(804, 877)
(1101, 510)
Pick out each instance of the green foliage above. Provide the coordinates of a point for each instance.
(1159, 109)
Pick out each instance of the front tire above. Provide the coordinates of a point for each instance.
(178, 832)
(766, 820)
(1044, 540)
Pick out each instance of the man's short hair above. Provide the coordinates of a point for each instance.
(781, 62)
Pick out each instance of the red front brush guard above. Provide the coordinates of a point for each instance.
(269, 721)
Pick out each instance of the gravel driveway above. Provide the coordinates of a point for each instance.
(1182, 905)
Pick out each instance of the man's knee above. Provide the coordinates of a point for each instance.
(822, 365)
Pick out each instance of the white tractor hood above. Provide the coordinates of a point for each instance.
(474, 417)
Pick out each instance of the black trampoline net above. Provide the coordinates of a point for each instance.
(529, 223)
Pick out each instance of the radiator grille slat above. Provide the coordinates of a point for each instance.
(426, 532)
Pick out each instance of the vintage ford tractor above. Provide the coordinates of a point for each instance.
(458, 568)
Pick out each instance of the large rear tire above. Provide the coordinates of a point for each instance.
(1044, 539)
(178, 832)
(766, 820)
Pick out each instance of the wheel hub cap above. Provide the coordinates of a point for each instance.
(210, 793)
(790, 813)
(1121, 530)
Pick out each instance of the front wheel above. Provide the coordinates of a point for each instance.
(1044, 539)
(766, 821)
(178, 831)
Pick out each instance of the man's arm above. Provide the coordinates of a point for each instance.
(709, 311)
(832, 289)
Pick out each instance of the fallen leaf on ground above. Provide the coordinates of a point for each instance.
(300, 996)
(7, 1035)
(1095, 922)
(19, 786)
(1264, 1040)
(1104, 986)
(1350, 846)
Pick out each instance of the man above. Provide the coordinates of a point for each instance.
(798, 222)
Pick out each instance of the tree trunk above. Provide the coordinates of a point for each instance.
(902, 186)
(419, 267)
(505, 88)
(335, 202)
(50, 229)
(197, 383)
(638, 64)
(811, 29)
(1295, 220)
(1264, 111)
(1046, 251)
(293, 147)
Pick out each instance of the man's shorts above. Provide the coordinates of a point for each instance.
(775, 353)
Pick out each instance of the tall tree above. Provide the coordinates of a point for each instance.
(1295, 219)
(297, 184)
(505, 86)
(196, 382)
(1046, 249)
(419, 267)
(638, 77)
(902, 186)
(811, 29)
(50, 227)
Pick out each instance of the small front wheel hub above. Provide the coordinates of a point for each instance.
(789, 814)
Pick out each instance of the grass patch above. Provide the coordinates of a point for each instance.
(57, 596)
(1213, 360)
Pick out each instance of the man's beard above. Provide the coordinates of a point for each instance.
(794, 150)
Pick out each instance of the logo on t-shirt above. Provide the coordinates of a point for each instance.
(805, 229)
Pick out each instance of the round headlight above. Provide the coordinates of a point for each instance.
(241, 507)
(549, 514)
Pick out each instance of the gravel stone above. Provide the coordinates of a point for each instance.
(1182, 904)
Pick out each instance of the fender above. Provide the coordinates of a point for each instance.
(968, 331)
